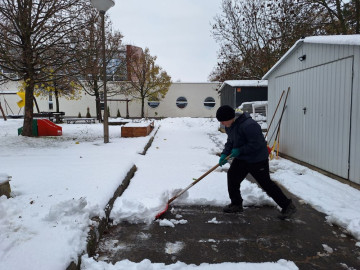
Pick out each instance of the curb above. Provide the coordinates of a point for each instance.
(97, 231)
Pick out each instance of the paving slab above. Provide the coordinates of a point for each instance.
(204, 234)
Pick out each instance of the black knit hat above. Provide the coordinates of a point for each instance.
(225, 113)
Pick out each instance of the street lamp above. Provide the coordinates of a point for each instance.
(102, 6)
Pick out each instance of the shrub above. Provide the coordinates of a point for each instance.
(88, 115)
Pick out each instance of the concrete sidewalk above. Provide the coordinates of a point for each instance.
(256, 235)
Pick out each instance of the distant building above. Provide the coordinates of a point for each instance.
(118, 67)
(131, 52)
(182, 100)
(236, 92)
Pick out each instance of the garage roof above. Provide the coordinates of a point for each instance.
(245, 83)
(335, 39)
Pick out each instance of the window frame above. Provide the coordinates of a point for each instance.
(178, 102)
(209, 102)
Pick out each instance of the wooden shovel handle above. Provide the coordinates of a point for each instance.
(195, 182)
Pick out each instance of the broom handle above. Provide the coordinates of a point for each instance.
(282, 113)
(195, 182)
(274, 113)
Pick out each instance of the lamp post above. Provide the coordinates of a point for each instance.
(102, 6)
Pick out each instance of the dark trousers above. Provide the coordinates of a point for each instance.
(260, 171)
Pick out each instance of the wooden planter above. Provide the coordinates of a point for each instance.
(136, 130)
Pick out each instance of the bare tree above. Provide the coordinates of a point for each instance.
(90, 64)
(339, 16)
(33, 34)
(146, 80)
(58, 85)
(253, 35)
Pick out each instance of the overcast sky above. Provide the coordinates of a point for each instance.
(176, 31)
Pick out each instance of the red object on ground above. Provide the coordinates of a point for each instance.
(48, 128)
(162, 212)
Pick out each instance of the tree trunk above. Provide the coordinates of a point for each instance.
(339, 12)
(98, 109)
(142, 107)
(28, 115)
(57, 106)
(97, 102)
(57, 101)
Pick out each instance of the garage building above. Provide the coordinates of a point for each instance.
(321, 123)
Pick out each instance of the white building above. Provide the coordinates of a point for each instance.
(321, 123)
(182, 100)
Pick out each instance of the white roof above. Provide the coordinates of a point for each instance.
(340, 39)
(245, 83)
(335, 40)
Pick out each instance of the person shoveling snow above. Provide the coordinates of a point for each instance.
(247, 145)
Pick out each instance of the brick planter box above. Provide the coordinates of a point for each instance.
(136, 129)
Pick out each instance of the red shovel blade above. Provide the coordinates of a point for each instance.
(162, 212)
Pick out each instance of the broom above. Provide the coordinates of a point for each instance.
(185, 189)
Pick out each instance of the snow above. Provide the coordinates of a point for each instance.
(244, 83)
(138, 124)
(214, 220)
(166, 223)
(59, 183)
(4, 178)
(338, 201)
(327, 248)
(247, 83)
(173, 248)
(334, 39)
(88, 264)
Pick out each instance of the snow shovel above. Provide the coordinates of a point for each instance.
(185, 189)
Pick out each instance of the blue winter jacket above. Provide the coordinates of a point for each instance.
(245, 134)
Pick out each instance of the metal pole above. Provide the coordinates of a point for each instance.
(2, 111)
(106, 123)
(127, 109)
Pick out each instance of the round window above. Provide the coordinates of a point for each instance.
(181, 102)
(153, 102)
(209, 103)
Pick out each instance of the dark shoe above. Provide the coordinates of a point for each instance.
(288, 212)
(233, 208)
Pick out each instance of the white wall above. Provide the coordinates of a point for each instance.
(195, 93)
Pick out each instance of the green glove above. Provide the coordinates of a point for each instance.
(222, 160)
(235, 152)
